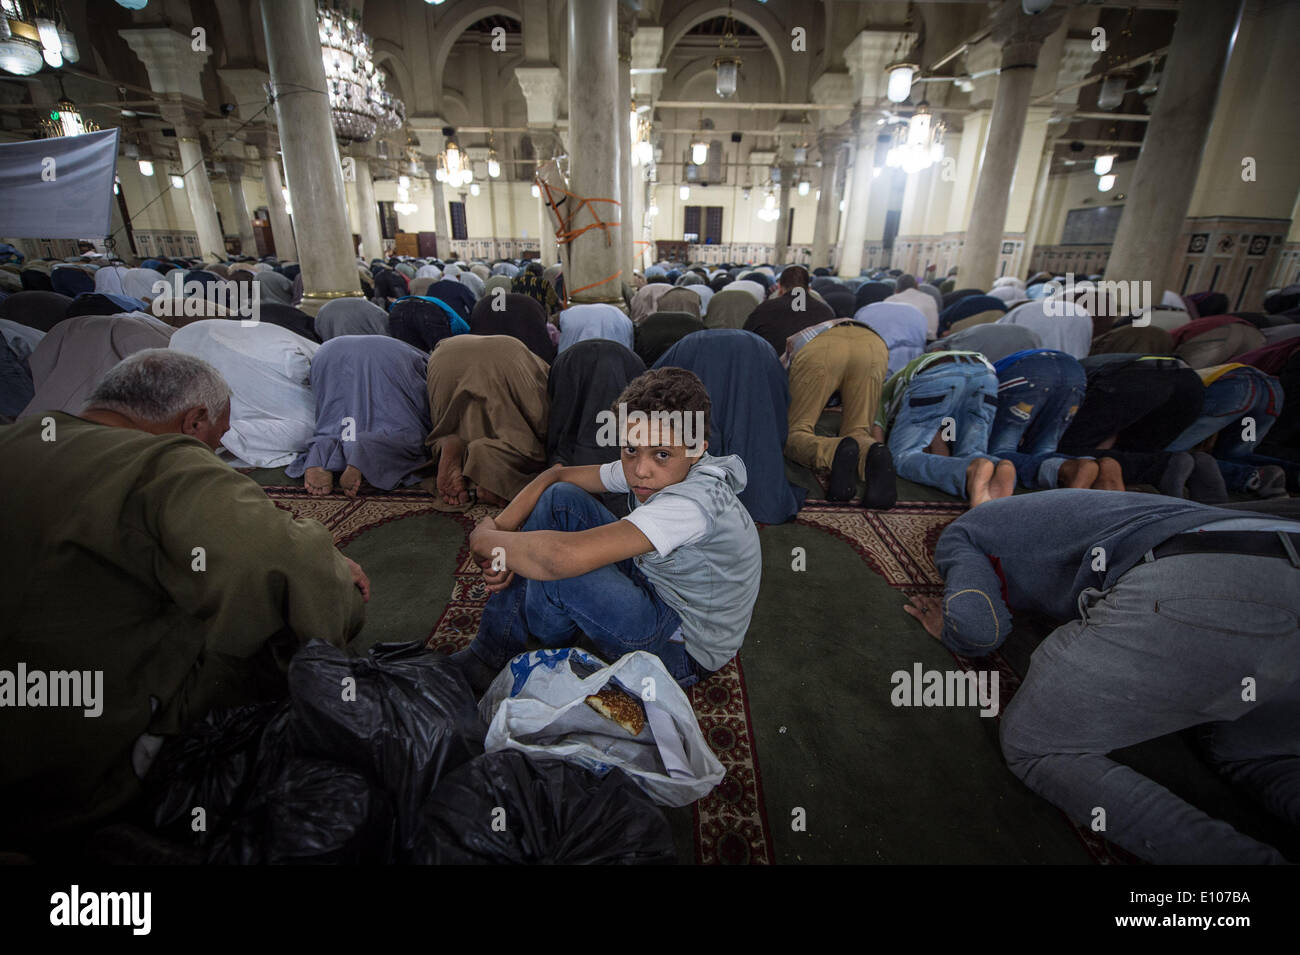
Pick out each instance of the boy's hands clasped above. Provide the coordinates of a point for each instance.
(481, 547)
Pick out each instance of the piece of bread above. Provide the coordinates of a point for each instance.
(619, 706)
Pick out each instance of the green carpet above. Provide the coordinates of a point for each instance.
(877, 783)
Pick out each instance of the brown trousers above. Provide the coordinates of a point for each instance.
(852, 360)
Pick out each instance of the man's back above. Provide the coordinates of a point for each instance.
(777, 319)
(147, 559)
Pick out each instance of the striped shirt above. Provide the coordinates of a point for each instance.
(803, 337)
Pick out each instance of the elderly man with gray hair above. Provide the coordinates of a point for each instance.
(163, 580)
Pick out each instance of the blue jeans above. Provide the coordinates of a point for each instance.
(1240, 393)
(1163, 650)
(964, 390)
(1040, 472)
(1038, 397)
(615, 605)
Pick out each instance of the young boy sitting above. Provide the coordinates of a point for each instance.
(677, 577)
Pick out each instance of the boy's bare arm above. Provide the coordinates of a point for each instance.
(521, 506)
(556, 555)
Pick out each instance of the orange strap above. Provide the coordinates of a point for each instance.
(565, 234)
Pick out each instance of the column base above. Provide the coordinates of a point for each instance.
(313, 302)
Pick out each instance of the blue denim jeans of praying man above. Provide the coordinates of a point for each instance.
(1238, 394)
(615, 605)
(1040, 472)
(1165, 649)
(1231, 398)
(963, 389)
(1038, 397)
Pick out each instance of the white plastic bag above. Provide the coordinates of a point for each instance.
(537, 704)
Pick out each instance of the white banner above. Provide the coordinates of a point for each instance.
(59, 188)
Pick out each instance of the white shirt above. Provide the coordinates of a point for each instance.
(667, 521)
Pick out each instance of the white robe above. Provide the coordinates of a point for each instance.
(268, 368)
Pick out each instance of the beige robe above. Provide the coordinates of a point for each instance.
(490, 391)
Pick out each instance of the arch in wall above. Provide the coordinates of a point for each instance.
(389, 54)
(758, 18)
(455, 110)
(450, 26)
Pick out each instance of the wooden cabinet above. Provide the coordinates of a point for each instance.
(406, 243)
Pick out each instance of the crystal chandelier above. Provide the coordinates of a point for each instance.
(32, 36)
(404, 205)
(452, 165)
(918, 144)
(769, 212)
(65, 120)
(360, 105)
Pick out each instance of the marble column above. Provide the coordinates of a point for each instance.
(595, 269)
(541, 84)
(311, 153)
(372, 241)
(1021, 38)
(824, 225)
(244, 222)
(549, 250)
(1038, 209)
(429, 132)
(832, 87)
(1160, 193)
(866, 57)
(490, 185)
(175, 69)
(286, 246)
(626, 25)
(198, 190)
(781, 247)
(855, 230)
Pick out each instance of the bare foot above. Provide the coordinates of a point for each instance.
(939, 446)
(1110, 476)
(487, 497)
(318, 482)
(978, 475)
(1004, 480)
(1078, 473)
(450, 480)
(350, 481)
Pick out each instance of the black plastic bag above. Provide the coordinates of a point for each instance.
(507, 808)
(212, 768)
(406, 718)
(312, 811)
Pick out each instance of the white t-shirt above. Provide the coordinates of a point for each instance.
(667, 521)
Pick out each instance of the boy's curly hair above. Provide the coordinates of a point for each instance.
(667, 389)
